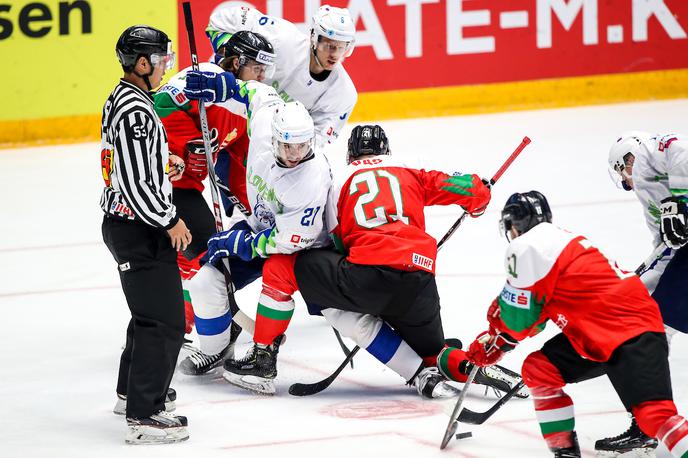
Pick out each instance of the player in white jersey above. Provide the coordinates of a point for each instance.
(288, 180)
(656, 169)
(307, 68)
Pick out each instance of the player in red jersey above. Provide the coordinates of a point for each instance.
(247, 56)
(377, 208)
(610, 325)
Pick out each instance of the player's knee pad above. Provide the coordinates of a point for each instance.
(278, 273)
(538, 371)
(208, 293)
(652, 415)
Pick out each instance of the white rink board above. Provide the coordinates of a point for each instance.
(64, 315)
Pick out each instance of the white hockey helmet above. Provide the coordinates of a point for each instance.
(629, 142)
(336, 24)
(293, 134)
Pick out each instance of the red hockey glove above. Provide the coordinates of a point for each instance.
(488, 349)
(196, 162)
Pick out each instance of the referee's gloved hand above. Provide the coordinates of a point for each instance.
(209, 86)
(234, 242)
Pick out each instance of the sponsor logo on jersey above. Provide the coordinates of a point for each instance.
(175, 93)
(422, 261)
(343, 117)
(515, 297)
(295, 238)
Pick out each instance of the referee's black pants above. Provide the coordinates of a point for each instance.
(152, 286)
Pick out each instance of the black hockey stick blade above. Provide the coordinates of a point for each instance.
(307, 389)
(478, 418)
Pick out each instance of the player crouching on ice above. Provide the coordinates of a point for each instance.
(382, 294)
(610, 325)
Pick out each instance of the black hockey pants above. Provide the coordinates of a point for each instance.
(408, 301)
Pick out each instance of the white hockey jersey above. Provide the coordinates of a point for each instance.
(329, 102)
(660, 170)
(290, 199)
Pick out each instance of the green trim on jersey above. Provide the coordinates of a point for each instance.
(459, 184)
(522, 317)
(164, 104)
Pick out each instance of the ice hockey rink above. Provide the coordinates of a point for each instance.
(64, 314)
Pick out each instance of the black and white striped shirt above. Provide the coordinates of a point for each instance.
(134, 158)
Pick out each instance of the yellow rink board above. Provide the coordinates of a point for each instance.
(441, 101)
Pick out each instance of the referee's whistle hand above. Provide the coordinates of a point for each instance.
(180, 235)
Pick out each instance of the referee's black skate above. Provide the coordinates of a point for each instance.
(257, 370)
(632, 440)
(199, 363)
(121, 404)
(160, 428)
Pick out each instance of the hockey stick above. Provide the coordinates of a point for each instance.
(478, 418)
(494, 179)
(238, 316)
(656, 255)
(307, 389)
(343, 346)
(453, 423)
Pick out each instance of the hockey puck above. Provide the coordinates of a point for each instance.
(464, 435)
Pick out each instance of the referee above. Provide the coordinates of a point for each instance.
(142, 231)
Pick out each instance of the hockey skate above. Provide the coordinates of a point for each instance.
(160, 428)
(500, 379)
(631, 443)
(257, 370)
(121, 404)
(431, 384)
(569, 452)
(199, 363)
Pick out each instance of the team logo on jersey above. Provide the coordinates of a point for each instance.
(561, 321)
(263, 213)
(515, 297)
(106, 165)
(422, 261)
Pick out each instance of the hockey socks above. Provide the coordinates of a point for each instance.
(274, 313)
(674, 434)
(554, 412)
(188, 312)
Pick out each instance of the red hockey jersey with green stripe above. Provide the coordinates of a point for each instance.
(378, 203)
(556, 275)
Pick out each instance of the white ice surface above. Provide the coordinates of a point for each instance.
(64, 315)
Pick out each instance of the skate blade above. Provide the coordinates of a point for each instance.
(635, 453)
(147, 435)
(121, 407)
(252, 383)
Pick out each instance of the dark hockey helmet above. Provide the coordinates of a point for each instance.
(248, 46)
(368, 139)
(141, 40)
(524, 211)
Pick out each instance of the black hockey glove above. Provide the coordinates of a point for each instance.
(674, 214)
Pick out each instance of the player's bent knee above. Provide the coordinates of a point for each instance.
(538, 371)
(651, 415)
(278, 273)
(208, 292)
